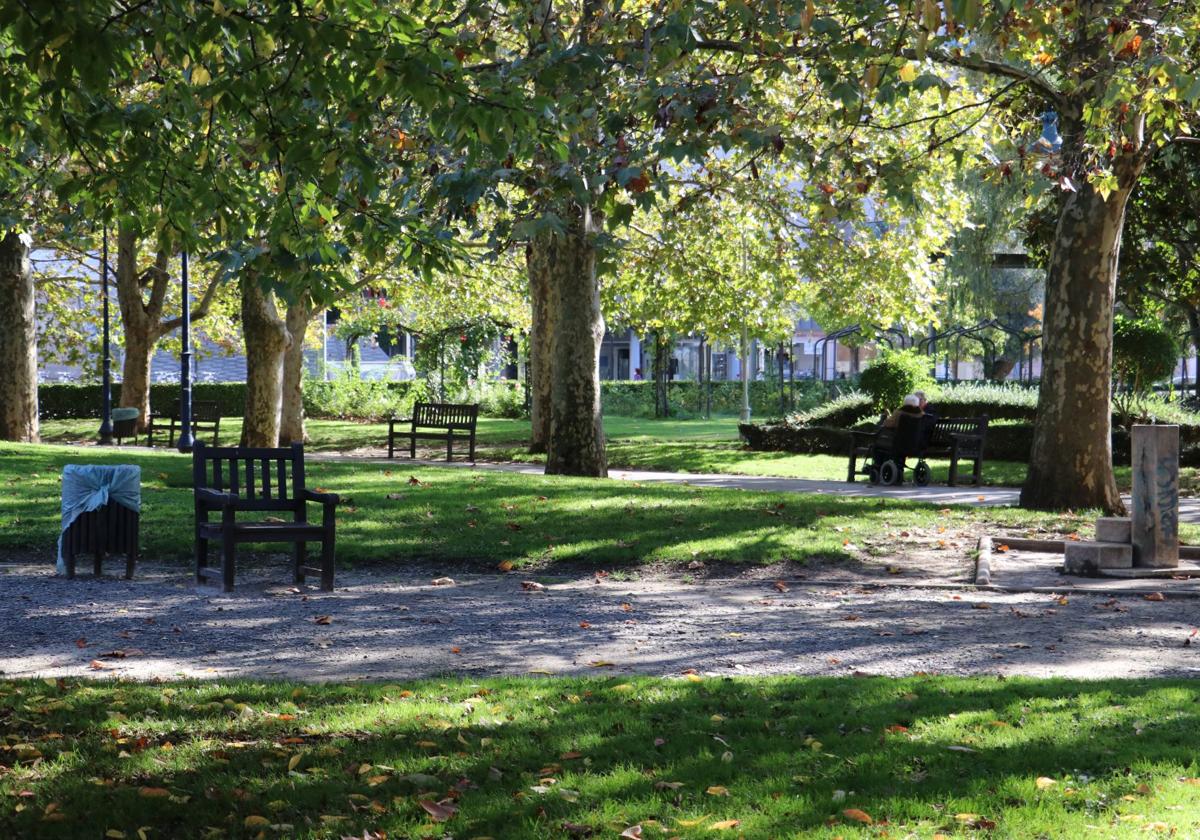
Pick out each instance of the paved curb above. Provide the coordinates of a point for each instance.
(983, 562)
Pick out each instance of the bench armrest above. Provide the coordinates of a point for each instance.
(859, 433)
(208, 497)
(321, 498)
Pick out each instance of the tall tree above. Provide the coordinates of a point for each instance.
(18, 340)
(1122, 80)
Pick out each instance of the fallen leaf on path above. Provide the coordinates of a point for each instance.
(585, 625)
(981, 605)
(780, 586)
(81, 642)
(456, 650)
(97, 665)
(532, 586)
(323, 619)
(1156, 596)
(505, 566)
(602, 664)
(442, 581)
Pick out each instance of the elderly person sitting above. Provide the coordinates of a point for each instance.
(912, 406)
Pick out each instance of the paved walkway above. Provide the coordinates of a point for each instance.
(939, 494)
(393, 625)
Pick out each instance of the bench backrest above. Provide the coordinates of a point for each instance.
(446, 415)
(264, 479)
(947, 426)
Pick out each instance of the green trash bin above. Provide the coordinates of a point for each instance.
(124, 423)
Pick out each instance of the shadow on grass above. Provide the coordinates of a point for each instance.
(526, 758)
(403, 512)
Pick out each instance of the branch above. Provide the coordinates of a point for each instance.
(199, 312)
(990, 67)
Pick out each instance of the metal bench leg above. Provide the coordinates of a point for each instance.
(69, 559)
(299, 561)
(227, 556)
(391, 439)
(953, 470)
(412, 447)
(472, 446)
(449, 446)
(99, 563)
(131, 556)
(327, 560)
(852, 471)
(201, 558)
(978, 471)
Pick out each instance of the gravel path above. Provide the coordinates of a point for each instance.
(397, 625)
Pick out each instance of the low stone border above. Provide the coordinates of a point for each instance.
(1186, 552)
(983, 562)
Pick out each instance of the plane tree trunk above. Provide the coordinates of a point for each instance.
(576, 442)
(540, 254)
(291, 425)
(266, 337)
(1071, 459)
(18, 341)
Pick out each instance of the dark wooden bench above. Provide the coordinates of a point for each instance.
(233, 480)
(206, 419)
(111, 528)
(436, 421)
(956, 438)
(959, 438)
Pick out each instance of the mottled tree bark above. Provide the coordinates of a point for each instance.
(662, 372)
(291, 424)
(1071, 460)
(142, 318)
(266, 338)
(18, 341)
(540, 257)
(576, 442)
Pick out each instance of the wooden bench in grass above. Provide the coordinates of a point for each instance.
(956, 438)
(436, 421)
(206, 420)
(234, 480)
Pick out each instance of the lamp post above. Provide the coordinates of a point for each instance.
(106, 377)
(186, 440)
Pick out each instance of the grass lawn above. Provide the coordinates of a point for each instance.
(694, 446)
(400, 512)
(536, 757)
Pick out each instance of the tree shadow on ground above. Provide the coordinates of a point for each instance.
(523, 758)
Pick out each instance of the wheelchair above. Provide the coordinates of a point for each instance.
(893, 448)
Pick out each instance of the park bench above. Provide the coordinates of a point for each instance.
(206, 419)
(436, 421)
(956, 438)
(234, 480)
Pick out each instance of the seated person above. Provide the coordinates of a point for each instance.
(912, 406)
(926, 406)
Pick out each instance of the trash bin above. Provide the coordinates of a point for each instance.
(101, 514)
(124, 423)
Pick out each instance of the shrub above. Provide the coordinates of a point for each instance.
(1143, 353)
(893, 375)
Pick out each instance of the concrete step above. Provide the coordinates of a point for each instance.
(1114, 529)
(1089, 558)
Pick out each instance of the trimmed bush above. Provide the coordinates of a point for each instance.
(893, 375)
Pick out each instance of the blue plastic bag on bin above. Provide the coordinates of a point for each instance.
(86, 487)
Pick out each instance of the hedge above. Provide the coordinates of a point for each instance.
(344, 398)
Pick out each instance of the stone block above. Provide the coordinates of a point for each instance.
(1114, 529)
(1088, 558)
(1155, 531)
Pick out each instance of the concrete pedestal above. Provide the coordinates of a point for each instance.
(1155, 531)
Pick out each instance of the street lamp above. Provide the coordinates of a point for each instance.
(186, 440)
(106, 378)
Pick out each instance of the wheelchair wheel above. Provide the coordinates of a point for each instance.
(921, 474)
(873, 474)
(890, 474)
